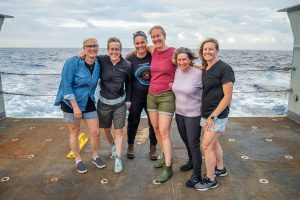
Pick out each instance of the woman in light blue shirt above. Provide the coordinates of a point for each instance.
(75, 95)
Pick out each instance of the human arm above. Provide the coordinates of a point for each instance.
(81, 54)
(68, 74)
(150, 49)
(76, 109)
(131, 52)
(128, 87)
(225, 101)
(199, 67)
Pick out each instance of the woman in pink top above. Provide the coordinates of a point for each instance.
(161, 99)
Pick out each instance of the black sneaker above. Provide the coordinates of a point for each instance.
(220, 172)
(193, 181)
(81, 168)
(187, 167)
(206, 184)
(98, 162)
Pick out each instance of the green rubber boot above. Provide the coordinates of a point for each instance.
(160, 162)
(166, 174)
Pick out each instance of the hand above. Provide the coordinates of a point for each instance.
(209, 124)
(128, 105)
(170, 85)
(77, 113)
(199, 67)
(81, 54)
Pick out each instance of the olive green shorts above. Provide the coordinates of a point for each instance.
(163, 103)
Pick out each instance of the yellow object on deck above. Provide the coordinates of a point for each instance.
(82, 142)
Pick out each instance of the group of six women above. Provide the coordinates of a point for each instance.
(161, 80)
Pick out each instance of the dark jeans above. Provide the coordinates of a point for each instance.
(137, 106)
(190, 130)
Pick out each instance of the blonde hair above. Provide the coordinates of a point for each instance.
(162, 30)
(89, 39)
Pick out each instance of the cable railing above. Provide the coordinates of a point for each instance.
(282, 69)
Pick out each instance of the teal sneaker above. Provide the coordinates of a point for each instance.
(118, 165)
(113, 151)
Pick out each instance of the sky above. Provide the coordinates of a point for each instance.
(236, 24)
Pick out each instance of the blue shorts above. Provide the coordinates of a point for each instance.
(219, 126)
(69, 117)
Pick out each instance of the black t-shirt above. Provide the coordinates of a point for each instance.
(90, 67)
(114, 77)
(140, 75)
(90, 107)
(212, 80)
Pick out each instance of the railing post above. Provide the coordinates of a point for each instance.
(2, 107)
(294, 96)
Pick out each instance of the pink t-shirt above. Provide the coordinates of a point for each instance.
(162, 70)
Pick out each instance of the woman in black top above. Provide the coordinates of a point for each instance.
(114, 99)
(140, 80)
(217, 79)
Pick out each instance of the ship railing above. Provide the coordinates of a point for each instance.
(278, 69)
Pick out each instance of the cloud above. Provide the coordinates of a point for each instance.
(238, 24)
(181, 36)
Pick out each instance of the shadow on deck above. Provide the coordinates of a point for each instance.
(47, 140)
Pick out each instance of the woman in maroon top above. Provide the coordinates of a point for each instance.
(161, 99)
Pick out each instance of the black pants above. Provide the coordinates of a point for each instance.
(190, 130)
(137, 105)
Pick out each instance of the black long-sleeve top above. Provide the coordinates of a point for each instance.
(113, 78)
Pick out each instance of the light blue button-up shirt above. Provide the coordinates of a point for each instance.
(77, 83)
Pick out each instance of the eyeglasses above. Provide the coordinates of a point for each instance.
(95, 46)
(114, 49)
(139, 33)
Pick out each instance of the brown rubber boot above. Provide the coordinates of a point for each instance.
(152, 152)
(130, 151)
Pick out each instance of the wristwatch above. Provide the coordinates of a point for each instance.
(213, 117)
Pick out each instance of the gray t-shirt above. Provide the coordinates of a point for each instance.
(187, 88)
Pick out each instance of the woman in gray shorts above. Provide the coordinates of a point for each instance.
(76, 97)
(114, 99)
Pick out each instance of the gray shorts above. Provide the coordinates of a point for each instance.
(69, 117)
(219, 126)
(111, 113)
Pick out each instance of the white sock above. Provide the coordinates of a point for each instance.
(77, 161)
(95, 157)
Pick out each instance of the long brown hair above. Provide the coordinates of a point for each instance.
(204, 62)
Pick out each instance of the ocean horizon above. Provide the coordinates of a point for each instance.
(259, 90)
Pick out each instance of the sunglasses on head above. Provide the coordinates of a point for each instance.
(139, 33)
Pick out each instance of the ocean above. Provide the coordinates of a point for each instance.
(259, 90)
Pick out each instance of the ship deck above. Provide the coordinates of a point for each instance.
(33, 159)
